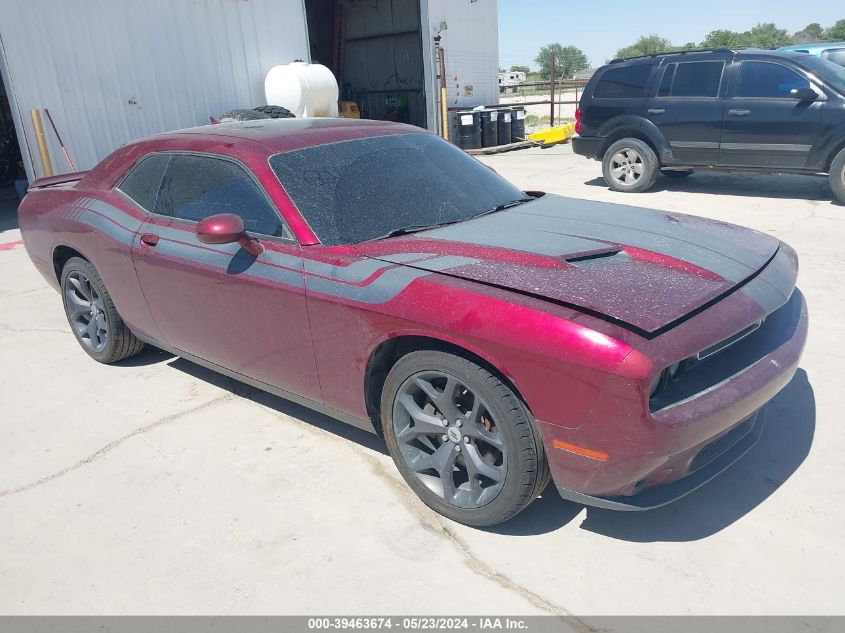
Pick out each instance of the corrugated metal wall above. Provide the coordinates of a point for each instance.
(472, 49)
(111, 71)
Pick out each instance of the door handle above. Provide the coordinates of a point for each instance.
(150, 239)
(739, 112)
(656, 111)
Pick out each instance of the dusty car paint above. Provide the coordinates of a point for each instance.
(579, 305)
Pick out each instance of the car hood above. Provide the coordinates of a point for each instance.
(645, 269)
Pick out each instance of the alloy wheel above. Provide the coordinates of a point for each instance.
(449, 439)
(626, 167)
(86, 312)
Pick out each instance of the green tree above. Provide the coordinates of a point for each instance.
(646, 45)
(568, 60)
(836, 33)
(813, 32)
(768, 35)
(723, 38)
(520, 69)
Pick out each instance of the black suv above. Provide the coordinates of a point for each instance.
(719, 109)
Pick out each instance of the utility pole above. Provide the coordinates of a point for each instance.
(552, 84)
(444, 106)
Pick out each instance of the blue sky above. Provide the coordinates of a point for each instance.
(600, 28)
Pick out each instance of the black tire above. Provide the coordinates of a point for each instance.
(523, 463)
(119, 342)
(638, 174)
(241, 115)
(677, 173)
(275, 112)
(837, 176)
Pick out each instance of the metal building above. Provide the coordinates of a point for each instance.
(111, 71)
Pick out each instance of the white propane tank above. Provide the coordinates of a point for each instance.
(307, 90)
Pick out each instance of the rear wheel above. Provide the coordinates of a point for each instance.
(92, 316)
(837, 176)
(630, 165)
(462, 440)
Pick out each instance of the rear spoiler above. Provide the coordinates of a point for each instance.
(62, 179)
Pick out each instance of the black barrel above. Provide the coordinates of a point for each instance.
(518, 124)
(469, 129)
(503, 125)
(489, 131)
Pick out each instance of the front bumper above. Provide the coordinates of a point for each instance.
(588, 146)
(653, 458)
(653, 498)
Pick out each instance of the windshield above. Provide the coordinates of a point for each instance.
(829, 72)
(353, 191)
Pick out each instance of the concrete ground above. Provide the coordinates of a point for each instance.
(159, 487)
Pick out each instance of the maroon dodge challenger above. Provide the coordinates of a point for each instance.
(495, 338)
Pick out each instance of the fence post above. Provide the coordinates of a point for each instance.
(552, 90)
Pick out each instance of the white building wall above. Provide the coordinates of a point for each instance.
(111, 71)
(472, 49)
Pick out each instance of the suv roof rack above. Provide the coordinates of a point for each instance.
(664, 53)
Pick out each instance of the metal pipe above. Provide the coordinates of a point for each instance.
(61, 142)
(444, 106)
(46, 165)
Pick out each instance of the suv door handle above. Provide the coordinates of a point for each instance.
(150, 239)
(656, 111)
(739, 112)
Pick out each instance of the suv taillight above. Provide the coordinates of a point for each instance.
(578, 121)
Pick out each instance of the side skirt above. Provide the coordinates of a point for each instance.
(365, 425)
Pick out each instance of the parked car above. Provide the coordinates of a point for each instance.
(832, 51)
(764, 111)
(495, 338)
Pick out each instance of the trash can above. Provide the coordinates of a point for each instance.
(503, 126)
(469, 129)
(518, 124)
(489, 129)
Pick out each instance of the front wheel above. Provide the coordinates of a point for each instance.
(92, 316)
(630, 166)
(461, 438)
(837, 176)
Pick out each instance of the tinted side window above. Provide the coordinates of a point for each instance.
(837, 56)
(698, 79)
(666, 83)
(627, 82)
(143, 181)
(764, 80)
(199, 186)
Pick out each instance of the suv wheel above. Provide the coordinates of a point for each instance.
(630, 165)
(837, 176)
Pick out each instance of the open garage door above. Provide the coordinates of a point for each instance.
(374, 49)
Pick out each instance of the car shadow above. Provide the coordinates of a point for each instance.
(746, 184)
(152, 355)
(785, 443)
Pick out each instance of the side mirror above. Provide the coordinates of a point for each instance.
(227, 228)
(803, 94)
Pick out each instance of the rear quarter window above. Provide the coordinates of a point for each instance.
(143, 181)
(625, 82)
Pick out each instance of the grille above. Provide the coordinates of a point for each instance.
(721, 444)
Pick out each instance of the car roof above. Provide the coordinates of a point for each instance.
(279, 135)
(745, 52)
(813, 49)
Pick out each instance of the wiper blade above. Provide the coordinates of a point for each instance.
(413, 228)
(503, 206)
